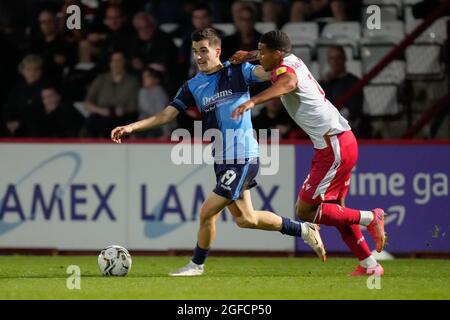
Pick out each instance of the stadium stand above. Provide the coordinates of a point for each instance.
(398, 86)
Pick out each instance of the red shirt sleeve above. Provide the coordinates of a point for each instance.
(280, 70)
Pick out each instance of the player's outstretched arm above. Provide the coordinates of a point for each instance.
(262, 74)
(242, 56)
(161, 118)
(285, 84)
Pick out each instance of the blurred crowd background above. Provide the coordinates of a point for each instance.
(129, 58)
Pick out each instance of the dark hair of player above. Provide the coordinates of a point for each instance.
(276, 40)
(207, 34)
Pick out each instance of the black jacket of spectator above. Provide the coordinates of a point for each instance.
(160, 49)
(24, 105)
(115, 41)
(49, 51)
(9, 59)
(78, 80)
(63, 122)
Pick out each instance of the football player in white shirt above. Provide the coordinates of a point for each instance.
(321, 199)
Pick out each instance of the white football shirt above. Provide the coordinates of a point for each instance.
(307, 104)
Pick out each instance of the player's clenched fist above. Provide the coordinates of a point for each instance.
(119, 132)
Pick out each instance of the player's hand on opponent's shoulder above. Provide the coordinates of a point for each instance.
(119, 132)
(239, 111)
(239, 57)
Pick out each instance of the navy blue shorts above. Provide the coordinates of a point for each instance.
(233, 179)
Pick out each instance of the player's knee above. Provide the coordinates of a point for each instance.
(246, 222)
(205, 216)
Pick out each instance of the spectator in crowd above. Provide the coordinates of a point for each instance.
(23, 108)
(70, 36)
(81, 74)
(116, 36)
(111, 99)
(273, 116)
(152, 45)
(273, 11)
(57, 54)
(338, 81)
(152, 99)
(59, 120)
(304, 10)
(201, 19)
(246, 37)
(9, 59)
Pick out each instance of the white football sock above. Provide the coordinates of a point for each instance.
(366, 218)
(304, 230)
(368, 262)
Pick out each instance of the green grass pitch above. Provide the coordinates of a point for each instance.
(44, 277)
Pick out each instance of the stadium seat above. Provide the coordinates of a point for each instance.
(178, 42)
(304, 53)
(436, 33)
(391, 32)
(381, 100)
(226, 28)
(354, 67)
(397, 3)
(303, 36)
(168, 27)
(410, 21)
(302, 33)
(314, 69)
(263, 27)
(393, 73)
(342, 33)
(378, 42)
(390, 10)
(372, 54)
(410, 2)
(342, 30)
(424, 61)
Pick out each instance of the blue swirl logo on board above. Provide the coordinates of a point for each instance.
(70, 155)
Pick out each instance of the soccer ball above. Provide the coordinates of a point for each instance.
(114, 261)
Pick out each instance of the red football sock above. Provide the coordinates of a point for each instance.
(354, 239)
(331, 214)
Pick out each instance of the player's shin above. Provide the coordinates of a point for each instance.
(354, 239)
(331, 214)
(205, 238)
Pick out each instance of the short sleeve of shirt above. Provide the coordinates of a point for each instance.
(183, 99)
(247, 72)
(279, 71)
